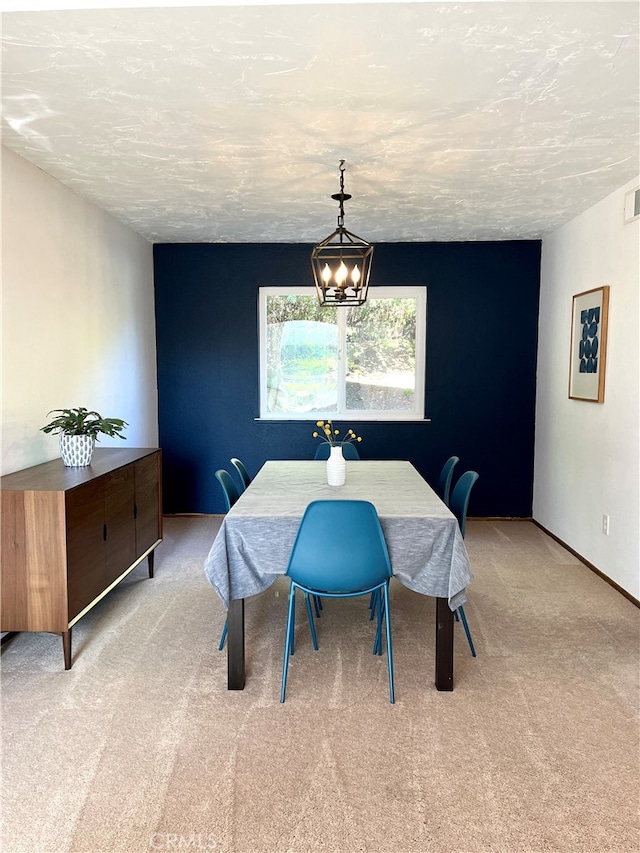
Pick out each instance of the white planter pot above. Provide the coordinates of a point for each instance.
(76, 450)
(336, 467)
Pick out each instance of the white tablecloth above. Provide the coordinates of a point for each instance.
(254, 542)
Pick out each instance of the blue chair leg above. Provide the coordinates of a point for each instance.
(288, 643)
(224, 635)
(380, 609)
(466, 630)
(372, 604)
(312, 626)
(292, 627)
(317, 605)
(385, 594)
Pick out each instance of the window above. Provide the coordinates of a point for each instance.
(365, 362)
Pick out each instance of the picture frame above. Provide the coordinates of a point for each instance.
(587, 364)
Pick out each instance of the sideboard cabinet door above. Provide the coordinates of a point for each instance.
(84, 511)
(120, 524)
(148, 510)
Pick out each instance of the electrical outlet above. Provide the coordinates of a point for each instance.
(605, 524)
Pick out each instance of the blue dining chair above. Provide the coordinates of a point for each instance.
(339, 552)
(229, 489)
(458, 504)
(245, 479)
(446, 475)
(349, 450)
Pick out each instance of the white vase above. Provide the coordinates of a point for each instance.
(76, 450)
(336, 467)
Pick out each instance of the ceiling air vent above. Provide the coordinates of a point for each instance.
(632, 205)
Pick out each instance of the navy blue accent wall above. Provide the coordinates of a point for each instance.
(482, 317)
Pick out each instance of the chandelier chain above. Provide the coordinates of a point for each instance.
(341, 212)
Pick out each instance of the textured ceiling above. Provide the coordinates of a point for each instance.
(457, 121)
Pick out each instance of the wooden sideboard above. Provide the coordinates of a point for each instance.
(69, 535)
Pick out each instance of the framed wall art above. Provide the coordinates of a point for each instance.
(588, 345)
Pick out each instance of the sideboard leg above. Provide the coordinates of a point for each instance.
(150, 562)
(66, 648)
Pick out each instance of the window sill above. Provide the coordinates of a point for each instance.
(287, 419)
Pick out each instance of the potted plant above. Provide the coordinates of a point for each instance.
(78, 430)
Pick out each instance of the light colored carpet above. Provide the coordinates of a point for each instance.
(140, 747)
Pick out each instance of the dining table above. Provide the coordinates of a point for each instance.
(254, 542)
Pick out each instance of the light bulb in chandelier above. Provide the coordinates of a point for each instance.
(342, 275)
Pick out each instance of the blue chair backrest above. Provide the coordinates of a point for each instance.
(348, 450)
(340, 547)
(229, 488)
(242, 471)
(460, 498)
(446, 475)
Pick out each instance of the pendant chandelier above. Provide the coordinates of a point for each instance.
(342, 263)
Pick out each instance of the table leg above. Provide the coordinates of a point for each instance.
(444, 645)
(235, 645)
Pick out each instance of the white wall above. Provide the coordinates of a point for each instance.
(78, 322)
(587, 454)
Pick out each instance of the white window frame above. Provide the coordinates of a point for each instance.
(417, 413)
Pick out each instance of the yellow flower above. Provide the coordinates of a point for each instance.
(329, 434)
